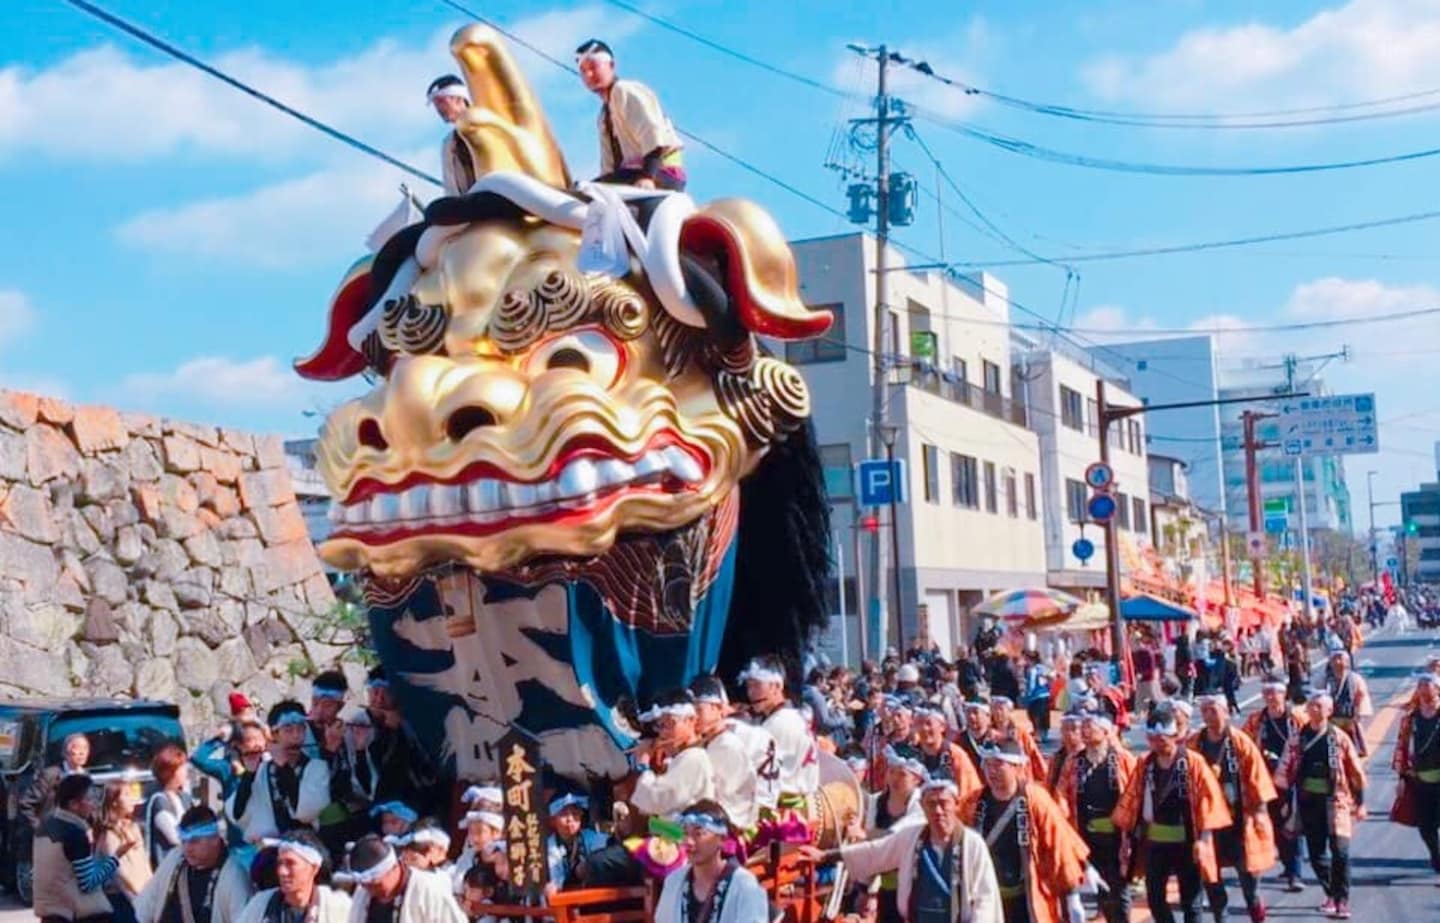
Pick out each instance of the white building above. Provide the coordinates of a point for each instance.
(1065, 414)
(310, 489)
(1327, 497)
(1174, 371)
(974, 523)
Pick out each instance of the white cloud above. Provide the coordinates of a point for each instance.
(120, 105)
(313, 220)
(260, 382)
(17, 317)
(1363, 49)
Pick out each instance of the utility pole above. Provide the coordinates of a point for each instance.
(884, 121)
(1306, 575)
(1112, 540)
(1252, 494)
(1225, 566)
(1374, 552)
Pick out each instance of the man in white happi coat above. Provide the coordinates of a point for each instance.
(710, 887)
(675, 770)
(739, 755)
(301, 864)
(945, 873)
(796, 752)
(199, 882)
(391, 892)
(289, 789)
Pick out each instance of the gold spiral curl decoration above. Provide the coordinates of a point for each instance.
(737, 359)
(519, 321)
(678, 343)
(622, 311)
(565, 298)
(785, 389)
(407, 326)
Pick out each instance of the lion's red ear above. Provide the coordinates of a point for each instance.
(335, 359)
(758, 267)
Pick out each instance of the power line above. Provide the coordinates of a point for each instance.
(1053, 155)
(1212, 121)
(160, 44)
(1220, 244)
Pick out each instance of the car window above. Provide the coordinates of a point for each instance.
(117, 740)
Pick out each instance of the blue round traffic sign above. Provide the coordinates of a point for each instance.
(1101, 507)
(1084, 549)
(1100, 476)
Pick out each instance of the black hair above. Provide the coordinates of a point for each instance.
(197, 816)
(592, 45)
(333, 680)
(443, 81)
(708, 685)
(481, 876)
(72, 788)
(680, 696)
(369, 851)
(280, 709)
(782, 563)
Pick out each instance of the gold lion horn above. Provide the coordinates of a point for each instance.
(505, 127)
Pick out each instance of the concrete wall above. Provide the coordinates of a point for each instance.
(150, 557)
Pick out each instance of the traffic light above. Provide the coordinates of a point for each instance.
(1411, 527)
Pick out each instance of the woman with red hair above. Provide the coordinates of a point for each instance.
(171, 768)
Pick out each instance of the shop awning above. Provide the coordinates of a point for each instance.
(1146, 608)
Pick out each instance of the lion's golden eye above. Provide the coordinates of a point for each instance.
(587, 350)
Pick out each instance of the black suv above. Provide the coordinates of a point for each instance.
(124, 734)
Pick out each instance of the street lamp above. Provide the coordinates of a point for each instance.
(889, 433)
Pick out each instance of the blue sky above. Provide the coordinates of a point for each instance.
(169, 244)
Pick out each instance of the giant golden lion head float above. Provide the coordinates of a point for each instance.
(569, 473)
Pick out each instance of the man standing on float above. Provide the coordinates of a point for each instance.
(638, 145)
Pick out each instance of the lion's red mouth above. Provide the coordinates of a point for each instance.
(586, 477)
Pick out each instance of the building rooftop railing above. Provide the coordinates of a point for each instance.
(951, 387)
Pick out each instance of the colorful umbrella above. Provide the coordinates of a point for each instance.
(1029, 607)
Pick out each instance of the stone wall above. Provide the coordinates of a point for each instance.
(148, 557)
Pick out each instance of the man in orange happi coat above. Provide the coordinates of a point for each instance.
(1008, 725)
(1172, 806)
(941, 758)
(1088, 790)
(1039, 859)
(1070, 747)
(1248, 844)
(1271, 727)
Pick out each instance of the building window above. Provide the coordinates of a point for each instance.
(898, 352)
(957, 365)
(838, 466)
(1092, 416)
(992, 504)
(1030, 511)
(992, 376)
(1012, 494)
(930, 461)
(964, 481)
(1072, 411)
(827, 348)
(1075, 500)
(1142, 524)
(1122, 511)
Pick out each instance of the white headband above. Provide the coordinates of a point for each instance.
(476, 793)
(378, 871)
(995, 753)
(762, 674)
(457, 90)
(427, 836)
(1274, 686)
(713, 698)
(488, 818)
(304, 850)
(597, 54)
(678, 710)
(940, 785)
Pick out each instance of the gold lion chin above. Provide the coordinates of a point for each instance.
(491, 524)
